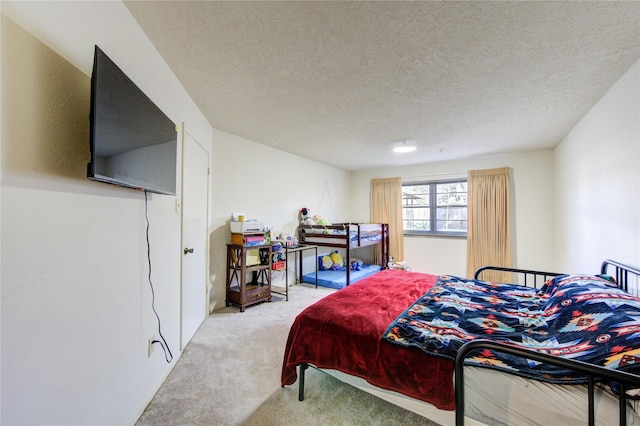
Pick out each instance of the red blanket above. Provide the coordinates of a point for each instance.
(343, 332)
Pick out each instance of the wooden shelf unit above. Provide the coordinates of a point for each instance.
(248, 284)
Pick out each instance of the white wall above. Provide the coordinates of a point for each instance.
(532, 189)
(271, 186)
(76, 304)
(597, 199)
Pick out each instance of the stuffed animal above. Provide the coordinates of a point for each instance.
(356, 264)
(321, 220)
(305, 217)
(288, 240)
(325, 262)
(330, 262)
(336, 258)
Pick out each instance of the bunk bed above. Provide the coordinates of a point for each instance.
(348, 237)
(362, 326)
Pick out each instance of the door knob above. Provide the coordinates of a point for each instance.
(188, 250)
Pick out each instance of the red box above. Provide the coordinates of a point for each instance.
(278, 265)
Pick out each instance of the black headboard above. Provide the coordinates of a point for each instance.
(526, 277)
(627, 277)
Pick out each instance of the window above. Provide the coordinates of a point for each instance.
(435, 208)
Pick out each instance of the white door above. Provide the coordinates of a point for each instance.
(195, 200)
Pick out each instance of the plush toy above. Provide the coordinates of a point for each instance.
(305, 217)
(330, 262)
(336, 258)
(356, 264)
(288, 240)
(325, 262)
(321, 220)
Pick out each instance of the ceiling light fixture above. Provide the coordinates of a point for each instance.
(403, 147)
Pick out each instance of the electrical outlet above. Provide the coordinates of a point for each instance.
(150, 347)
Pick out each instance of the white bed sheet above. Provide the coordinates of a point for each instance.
(495, 398)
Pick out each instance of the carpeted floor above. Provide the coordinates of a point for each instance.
(229, 374)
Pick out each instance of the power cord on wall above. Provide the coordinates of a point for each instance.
(168, 356)
(325, 190)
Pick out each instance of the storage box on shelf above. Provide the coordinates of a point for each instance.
(248, 238)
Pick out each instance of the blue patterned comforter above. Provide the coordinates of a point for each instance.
(573, 316)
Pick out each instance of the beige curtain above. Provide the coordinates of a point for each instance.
(488, 236)
(386, 207)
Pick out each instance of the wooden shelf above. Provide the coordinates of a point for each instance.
(248, 284)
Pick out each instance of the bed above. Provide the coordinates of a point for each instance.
(348, 237)
(352, 321)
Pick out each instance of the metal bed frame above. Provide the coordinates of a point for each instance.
(536, 278)
(627, 277)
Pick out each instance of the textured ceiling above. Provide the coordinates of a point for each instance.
(339, 82)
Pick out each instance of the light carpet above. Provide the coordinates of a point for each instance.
(229, 374)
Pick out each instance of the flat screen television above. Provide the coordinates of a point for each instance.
(133, 143)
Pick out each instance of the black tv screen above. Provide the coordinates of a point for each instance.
(133, 143)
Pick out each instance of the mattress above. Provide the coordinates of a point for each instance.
(510, 400)
(338, 279)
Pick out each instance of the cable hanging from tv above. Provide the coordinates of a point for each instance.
(168, 356)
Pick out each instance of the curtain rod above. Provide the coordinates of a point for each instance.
(435, 174)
